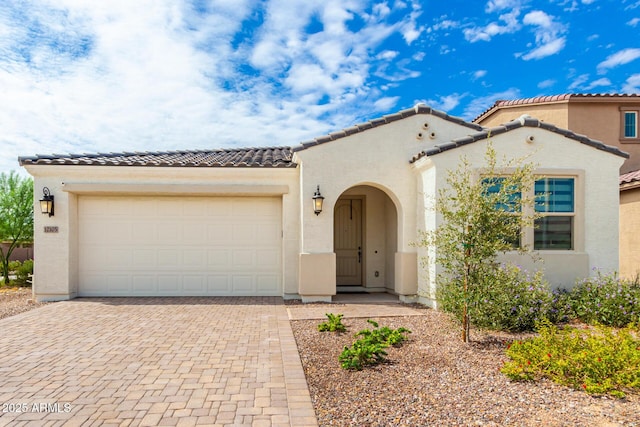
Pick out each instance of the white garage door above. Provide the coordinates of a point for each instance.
(172, 246)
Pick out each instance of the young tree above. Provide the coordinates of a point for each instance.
(483, 213)
(16, 215)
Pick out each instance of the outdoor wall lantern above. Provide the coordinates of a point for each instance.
(46, 203)
(317, 201)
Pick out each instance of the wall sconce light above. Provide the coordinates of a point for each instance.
(317, 201)
(46, 203)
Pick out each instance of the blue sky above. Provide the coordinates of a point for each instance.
(82, 76)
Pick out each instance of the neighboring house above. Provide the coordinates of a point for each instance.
(611, 118)
(630, 224)
(241, 221)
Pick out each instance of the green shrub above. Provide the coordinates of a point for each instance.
(14, 265)
(333, 324)
(369, 350)
(508, 298)
(362, 353)
(607, 300)
(23, 272)
(600, 361)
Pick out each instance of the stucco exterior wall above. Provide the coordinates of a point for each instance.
(557, 114)
(377, 158)
(596, 227)
(629, 236)
(602, 121)
(56, 272)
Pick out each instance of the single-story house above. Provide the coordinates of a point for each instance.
(244, 221)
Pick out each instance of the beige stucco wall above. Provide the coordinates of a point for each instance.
(602, 121)
(596, 240)
(56, 269)
(556, 114)
(629, 236)
(377, 158)
(599, 120)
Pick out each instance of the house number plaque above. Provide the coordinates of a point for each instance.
(50, 228)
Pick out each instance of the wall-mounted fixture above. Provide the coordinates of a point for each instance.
(46, 203)
(317, 201)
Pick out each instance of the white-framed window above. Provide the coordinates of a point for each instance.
(555, 202)
(630, 124)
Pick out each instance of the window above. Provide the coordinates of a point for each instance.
(555, 203)
(492, 186)
(630, 124)
(629, 117)
(555, 200)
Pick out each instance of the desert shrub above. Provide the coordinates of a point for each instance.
(333, 324)
(607, 300)
(370, 349)
(507, 298)
(14, 265)
(599, 361)
(23, 272)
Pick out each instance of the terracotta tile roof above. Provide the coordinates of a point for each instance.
(279, 157)
(418, 109)
(524, 121)
(554, 99)
(630, 179)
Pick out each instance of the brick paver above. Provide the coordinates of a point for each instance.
(153, 361)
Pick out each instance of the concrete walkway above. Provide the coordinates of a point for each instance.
(153, 362)
(372, 306)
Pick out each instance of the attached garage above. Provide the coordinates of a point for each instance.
(179, 246)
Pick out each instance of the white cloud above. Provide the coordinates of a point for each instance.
(632, 84)
(633, 22)
(385, 104)
(548, 33)
(621, 57)
(597, 83)
(158, 74)
(550, 48)
(479, 74)
(579, 81)
(498, 5)
(545, 84)
(444, 103)
(479, 105)
(493, 29)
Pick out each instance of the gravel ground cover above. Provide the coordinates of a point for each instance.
(436, 380)
(15, 300)
(432, 380)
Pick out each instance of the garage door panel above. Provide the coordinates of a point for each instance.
(268, 259)
(268, 282)
(144, 285)
(169, 285)
(243, 284)
(218, 258)
(174, 246)
(219, 284)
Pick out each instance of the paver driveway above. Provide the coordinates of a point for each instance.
(153, 361)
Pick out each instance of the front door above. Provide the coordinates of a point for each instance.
(347, 241)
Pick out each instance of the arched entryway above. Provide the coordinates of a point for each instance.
(365, 240)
